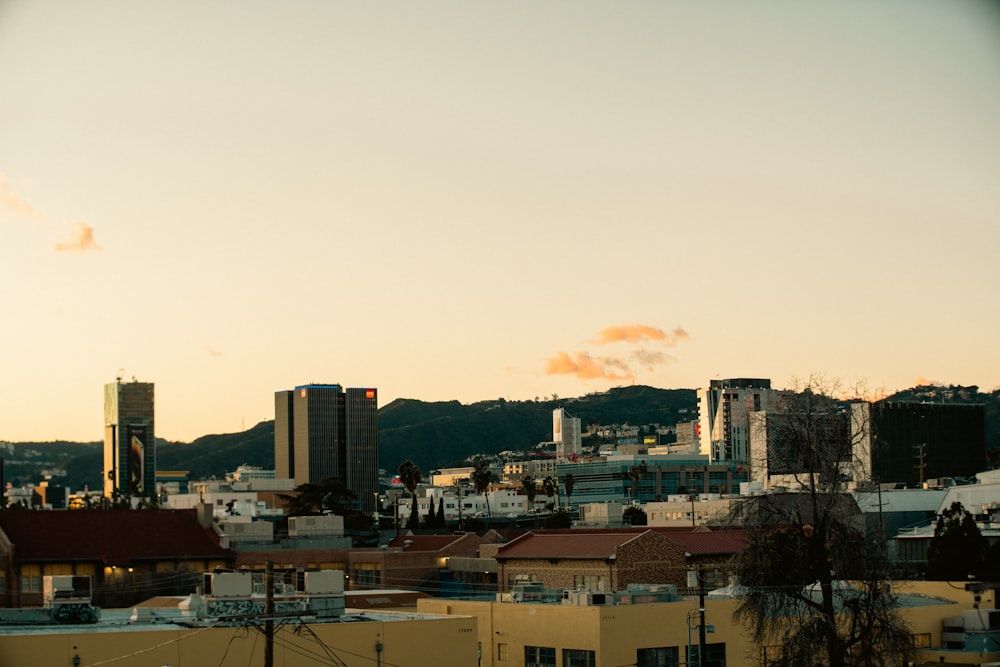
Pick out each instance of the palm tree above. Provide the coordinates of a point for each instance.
(458, 497)
(635, 474)
(410, 476)
(530, 490)
(481, 477)
(568, 483)
(550, 487)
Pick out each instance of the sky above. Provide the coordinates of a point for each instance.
(472, 200)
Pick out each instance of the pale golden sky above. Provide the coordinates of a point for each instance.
(458, 200)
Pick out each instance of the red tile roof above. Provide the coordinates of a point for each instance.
(711, 543)
(112, 537)
(698, 542)
(424, 542)
(587, 546)
(590, 544)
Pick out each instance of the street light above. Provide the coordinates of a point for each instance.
(691, 614)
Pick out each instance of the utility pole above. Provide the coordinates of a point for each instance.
(920, 463)
(269, 615)
(701, 624)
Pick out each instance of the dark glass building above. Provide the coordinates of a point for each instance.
(915, 442)
(323, 431)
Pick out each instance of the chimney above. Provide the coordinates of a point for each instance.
(206, 514)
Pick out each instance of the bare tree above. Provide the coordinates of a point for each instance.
(804, 546)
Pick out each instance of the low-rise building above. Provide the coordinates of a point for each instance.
(168, 635)
(129, 553)
(581, 631)
(594, 561)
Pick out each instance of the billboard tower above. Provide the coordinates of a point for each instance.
(129, 446)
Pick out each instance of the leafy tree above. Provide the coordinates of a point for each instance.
(558, 519)
(474, 525)
(958, 549)
(329, 496)
(481, 478)
(435, 519)
(440, 523)
(410, 476)
(803, 547)
(635, 516)
(550, 487)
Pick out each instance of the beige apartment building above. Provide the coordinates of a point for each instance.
(569, 635)
(371, 638)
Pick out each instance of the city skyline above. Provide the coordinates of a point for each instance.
(455, 202)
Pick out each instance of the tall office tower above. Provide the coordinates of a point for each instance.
(566, 434)
(723, 413)
(323, 431)
(129, 443)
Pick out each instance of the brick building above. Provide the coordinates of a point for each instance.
(129, 554)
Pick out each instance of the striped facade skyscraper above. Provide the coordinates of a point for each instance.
(323, 431)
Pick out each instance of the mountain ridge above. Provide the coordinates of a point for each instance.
(433, 434)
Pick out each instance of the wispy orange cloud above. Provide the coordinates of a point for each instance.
(81, 239)
(924, 382)
(587, 366)
(634, 333)
(12, 204)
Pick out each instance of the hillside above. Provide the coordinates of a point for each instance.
(443, 434)
(432, 434)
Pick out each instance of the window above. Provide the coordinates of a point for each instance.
(502, 654)
(367, 574)
(574, 657)
(31, 579)
(589, 582)
(922, 640)
(660, 656)
(715, 655)
(539, 656)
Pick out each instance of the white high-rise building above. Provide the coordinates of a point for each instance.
(566, 434)
(723, 412)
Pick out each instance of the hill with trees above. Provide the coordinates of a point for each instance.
(431, 434)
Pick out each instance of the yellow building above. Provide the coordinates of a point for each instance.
(371, 638)
(564, 635)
